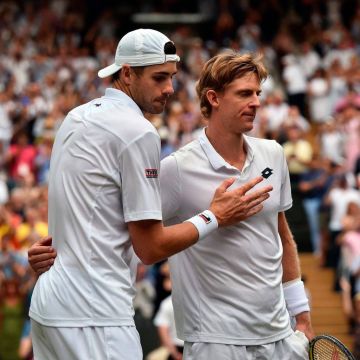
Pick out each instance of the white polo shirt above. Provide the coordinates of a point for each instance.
(104, 169)
(227, 288)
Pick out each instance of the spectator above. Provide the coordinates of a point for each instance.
(338, 83)
(21, 158)
(298, 151)
(338, 198)
(309, 59)
(332, 141)
(318, 94)
(145, 292)
(350, 117)
(42, 159)
(349, 241)
(295, 82)
(165, 322)
(274, 112)
(294, 118)
(313, 186)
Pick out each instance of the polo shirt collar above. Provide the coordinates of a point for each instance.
(118, 95)
(216, 160)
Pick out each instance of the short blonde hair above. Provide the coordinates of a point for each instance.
(224, 68)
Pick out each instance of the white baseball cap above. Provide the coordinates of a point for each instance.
(141, 47)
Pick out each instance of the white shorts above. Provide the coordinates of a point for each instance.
(87, 343)
(294, 347)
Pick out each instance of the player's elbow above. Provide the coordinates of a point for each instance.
(147, 260)
(147, 239)
(146, 256)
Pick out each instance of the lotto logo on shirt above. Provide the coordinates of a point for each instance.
(151, 173)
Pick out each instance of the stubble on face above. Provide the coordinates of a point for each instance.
(153, 87)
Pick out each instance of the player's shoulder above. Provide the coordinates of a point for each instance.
(79, 110)
(114, 117)
(264, 146)
(185, 156)
(191, 149)
(260, 142)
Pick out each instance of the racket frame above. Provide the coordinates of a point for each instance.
(333, 340)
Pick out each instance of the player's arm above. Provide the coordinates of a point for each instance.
(294, 292)
(152, 241)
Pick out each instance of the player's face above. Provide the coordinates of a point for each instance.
(153, 87)
(238, 104)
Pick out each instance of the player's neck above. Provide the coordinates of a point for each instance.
(119, 85)
(230, 146)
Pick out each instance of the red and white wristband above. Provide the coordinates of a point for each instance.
(205, 223)
(296, 299)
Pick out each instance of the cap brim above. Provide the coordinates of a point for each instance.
(109, 70)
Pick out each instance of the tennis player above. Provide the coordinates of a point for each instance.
(103, 191)
(233, 291)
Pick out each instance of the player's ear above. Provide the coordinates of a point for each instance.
(212, 98)
(126, 74)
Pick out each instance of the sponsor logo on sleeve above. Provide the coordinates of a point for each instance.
(151, 173)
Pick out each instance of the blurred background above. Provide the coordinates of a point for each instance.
(50, 52)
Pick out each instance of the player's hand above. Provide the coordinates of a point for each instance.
(41, 255)
(303, 324)
(236, 205)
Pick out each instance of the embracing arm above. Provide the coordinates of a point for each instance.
(41, 255)
(293, 287)
(152, 241)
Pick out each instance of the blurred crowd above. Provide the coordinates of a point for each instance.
(50, 54)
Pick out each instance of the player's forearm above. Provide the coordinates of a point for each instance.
(290, 260)
(157, 242)
(295, 296)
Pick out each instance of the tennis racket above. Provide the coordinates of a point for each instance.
(327, 347)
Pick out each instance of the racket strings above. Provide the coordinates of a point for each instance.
(327, 350)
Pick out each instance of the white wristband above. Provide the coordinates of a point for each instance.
(205, 223)
(295, 297)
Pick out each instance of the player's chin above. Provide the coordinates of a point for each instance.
(159, 106)
(248, 129)
(248, 122)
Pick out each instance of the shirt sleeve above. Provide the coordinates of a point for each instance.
(170, 187)
(140, 185)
